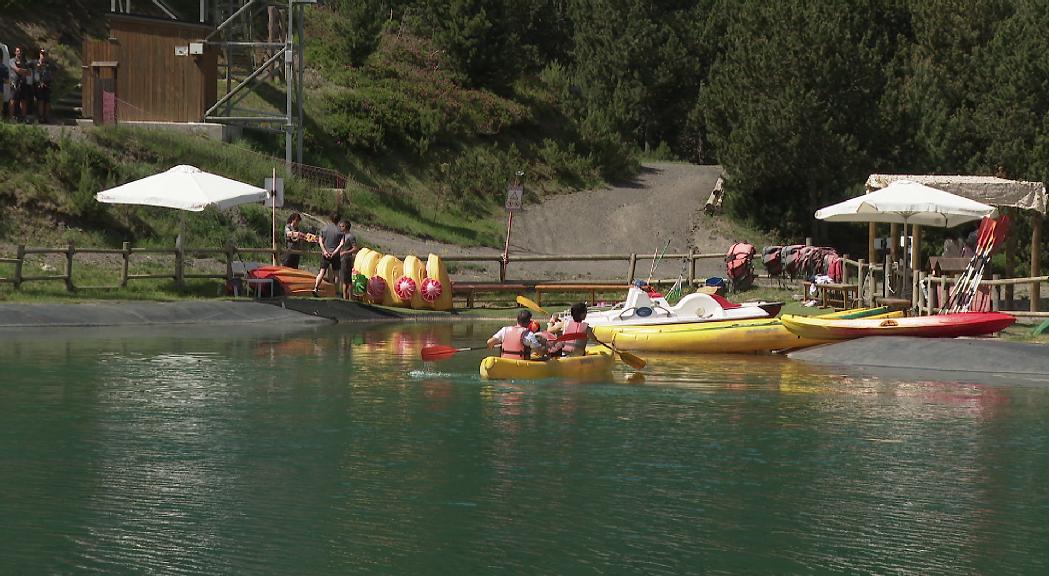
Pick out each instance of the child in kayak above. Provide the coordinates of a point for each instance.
(517, 341)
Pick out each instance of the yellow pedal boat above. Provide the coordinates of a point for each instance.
(759, 335)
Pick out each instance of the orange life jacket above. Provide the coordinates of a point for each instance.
(570, 346)
(513, 345)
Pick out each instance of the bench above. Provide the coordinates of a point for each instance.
(469, 289)
(593, 289)
(837, 296)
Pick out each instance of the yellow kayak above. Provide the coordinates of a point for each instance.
(759, 335)
(595, 364)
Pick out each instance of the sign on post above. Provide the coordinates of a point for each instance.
(275, 191)
(514, 193)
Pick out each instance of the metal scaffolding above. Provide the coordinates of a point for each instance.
(237, 38)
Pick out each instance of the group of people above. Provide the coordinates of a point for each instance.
(29, 83)
(524, 340)
(338, 247)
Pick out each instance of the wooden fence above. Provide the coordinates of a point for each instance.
(127, 254)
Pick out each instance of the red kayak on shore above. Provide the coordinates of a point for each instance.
(940, 326)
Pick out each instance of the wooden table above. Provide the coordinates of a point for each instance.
(837, 296)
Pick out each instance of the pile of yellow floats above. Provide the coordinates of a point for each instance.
(386, 280)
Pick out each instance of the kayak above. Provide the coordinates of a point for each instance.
(762, 335)
(594, 364)
(640, 309)
(940, 326)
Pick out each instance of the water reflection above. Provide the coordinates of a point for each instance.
(336, 450)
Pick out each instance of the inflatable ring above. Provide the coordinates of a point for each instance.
(376, 287)
(405, 288)
(431, 290)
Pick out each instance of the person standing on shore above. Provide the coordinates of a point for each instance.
(42, 74)
(293, 239)
(19, 74)
(330, 241)
(346, 256)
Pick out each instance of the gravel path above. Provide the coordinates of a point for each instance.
(664, 203)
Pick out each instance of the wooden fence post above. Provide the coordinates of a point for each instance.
(633, 268)
(996, 294)
(70, 251)
(1036, 254)
(691, 269)
(126, 248)
(20, 256)
(180, 272)
(859, 279)
(229, 263)
(934, 295)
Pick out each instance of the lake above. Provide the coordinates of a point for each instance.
(336, 450)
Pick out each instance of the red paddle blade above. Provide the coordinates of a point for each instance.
(438, 352)
(1000, 228)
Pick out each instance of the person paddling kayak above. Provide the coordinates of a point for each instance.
(517, 341)
(577, 325)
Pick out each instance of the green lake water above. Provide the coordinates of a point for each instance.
(335, 450)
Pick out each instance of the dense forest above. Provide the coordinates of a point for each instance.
(799, 101)
(429, 106)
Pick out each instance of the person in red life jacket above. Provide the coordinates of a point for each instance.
(577, 325)
(517, 341)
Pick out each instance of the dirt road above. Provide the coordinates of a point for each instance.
(664, 203)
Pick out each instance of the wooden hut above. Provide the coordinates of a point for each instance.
(155, 70)
(1005, 194)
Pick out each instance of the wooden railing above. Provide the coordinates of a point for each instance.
(631, 259)
(127, 253)
(926, 299)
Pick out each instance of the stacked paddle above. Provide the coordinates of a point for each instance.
(438, 352)
(634, 361)
(990, 234)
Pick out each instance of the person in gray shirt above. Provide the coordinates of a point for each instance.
(330, 241)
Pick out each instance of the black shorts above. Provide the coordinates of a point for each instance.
(43, 93)
(22, 93)
(346, 273)
(291, 260)
(330, 263)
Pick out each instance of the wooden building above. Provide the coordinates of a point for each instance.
(163, 71)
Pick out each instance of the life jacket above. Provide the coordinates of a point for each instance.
(738, 264)
(570, 347)
(513, 345)
(789, 257)
(771, 257)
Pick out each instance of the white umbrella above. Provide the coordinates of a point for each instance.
(907, 202)
(185, 188)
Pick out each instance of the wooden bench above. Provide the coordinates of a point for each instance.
(838, 296)
(469, 289)
(593, 289)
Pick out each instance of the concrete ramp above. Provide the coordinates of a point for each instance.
(955, 355)
(210, 312)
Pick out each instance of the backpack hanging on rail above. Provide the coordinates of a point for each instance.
(739, 263)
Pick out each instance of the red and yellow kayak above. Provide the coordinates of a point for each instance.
(940, 326)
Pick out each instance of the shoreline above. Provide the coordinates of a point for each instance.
(285, 311)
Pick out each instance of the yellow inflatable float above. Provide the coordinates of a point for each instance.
(437, 288)
(390, 269)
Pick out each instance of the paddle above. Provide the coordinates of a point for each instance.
(991, 234)
(439, 352)
(634, 361)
